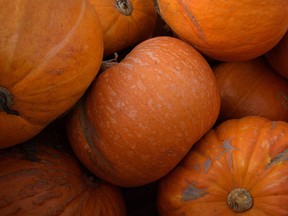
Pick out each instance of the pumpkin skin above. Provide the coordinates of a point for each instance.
(37, 179)
(227, 30)
(249, 154)
(251, 88)
(277, 57)
(142, 115)
(125, 22)
(50, 51)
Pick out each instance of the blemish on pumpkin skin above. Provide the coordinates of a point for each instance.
(227, 148)
(281, 157)
(193, 193)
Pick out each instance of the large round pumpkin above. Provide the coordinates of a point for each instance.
(227, 30)
(251, 88)
(278, 56)
(37, 179)
(142, 115)
(238, 168)
(125, 22)
(50, 51)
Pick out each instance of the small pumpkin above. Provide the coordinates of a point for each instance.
(142, 115)
(38, 179)
(50, 51)
(238, 168)
(278, 55)
(227, 30)
(125, 22)
(251, 88)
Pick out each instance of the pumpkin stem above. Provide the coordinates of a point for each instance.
(6, 102)
(124, 7)
(109, 63)
(239, 200)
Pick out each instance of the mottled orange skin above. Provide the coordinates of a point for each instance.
(227, 30)
(123, 31)
(142, 115)
(278, 56)
(251, 88)
(50, 51)
(249, 153)
(37, 179)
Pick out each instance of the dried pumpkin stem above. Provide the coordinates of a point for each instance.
(124, 6)
(239, 200)
(6, 102)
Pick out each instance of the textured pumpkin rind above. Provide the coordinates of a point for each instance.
(227, 30)
(249, 153)
(123, 31)
(50, 53)
(40, 180)
(143, 114)
(251, 88)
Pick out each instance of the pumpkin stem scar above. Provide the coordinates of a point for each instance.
(124, 7)
(239, 200)
(6, 102)
(282, 156)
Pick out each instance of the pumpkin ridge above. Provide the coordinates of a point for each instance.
(111, 27)
(55, 49)
(65, 205)
(194, 20)
(250, 158)
(87, 128)
(258, 179)
(15, 37)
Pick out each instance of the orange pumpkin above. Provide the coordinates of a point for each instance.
(227, 30)
(37, 179)
(238, 168)
(125, 22)
(251, 88)
(142, 115)
(50, 51)
(278, 56)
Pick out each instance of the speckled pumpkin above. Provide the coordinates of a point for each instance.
(142, 115)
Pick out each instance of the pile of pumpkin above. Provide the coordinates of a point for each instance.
(101, 98)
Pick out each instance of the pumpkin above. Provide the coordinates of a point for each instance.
(50, 51)
(278, 55)
(251, 87)
(125, 22)
(238, 168)
(142, 115)
(38, 179)
(227, 30)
